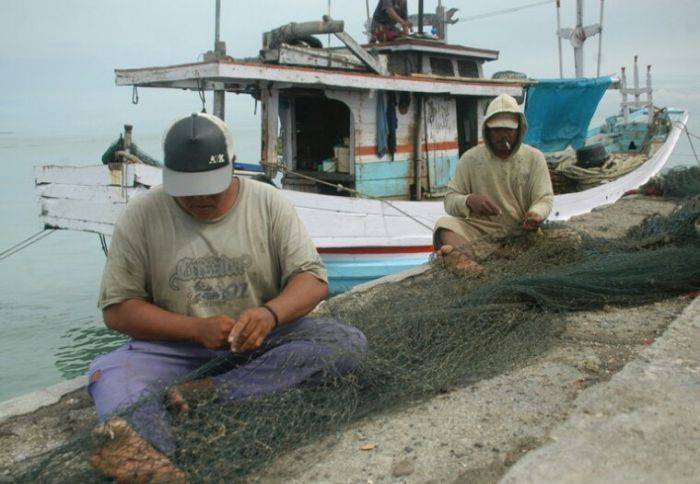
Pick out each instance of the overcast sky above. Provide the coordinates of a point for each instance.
(57, 57)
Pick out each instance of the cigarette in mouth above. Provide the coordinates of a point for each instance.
(507, 144)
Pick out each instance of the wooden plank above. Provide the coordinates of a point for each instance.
(270, 109)
(81, 175)
(239, 72)
(81, 225)
(101, 194)
(477, 80)
(146, 175)
(293, 55)
(90, 211)
(361, 53)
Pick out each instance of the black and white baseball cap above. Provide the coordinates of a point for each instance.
(198, 152)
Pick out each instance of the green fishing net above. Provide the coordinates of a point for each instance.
(428, 334)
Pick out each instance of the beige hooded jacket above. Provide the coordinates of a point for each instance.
(518, 184)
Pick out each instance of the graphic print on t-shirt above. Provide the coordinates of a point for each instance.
(212, 279)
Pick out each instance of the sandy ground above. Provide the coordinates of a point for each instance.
(474, 434)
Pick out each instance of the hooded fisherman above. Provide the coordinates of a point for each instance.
(501, 188)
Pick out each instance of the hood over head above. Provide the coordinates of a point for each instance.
(501, 105)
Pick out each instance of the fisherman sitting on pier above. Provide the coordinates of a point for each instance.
(211, 270)
(386, 16)
(501, 188)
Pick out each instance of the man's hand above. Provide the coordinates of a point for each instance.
(407, 26)
(251, 329)
(482, 204)
(212, 333)
(532, 221)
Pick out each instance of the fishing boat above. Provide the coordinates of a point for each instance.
(363, 139)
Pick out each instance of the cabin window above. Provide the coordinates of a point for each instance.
(441, 67)
(318, 144)
(321, 125)
(467, 123)
(467, 68)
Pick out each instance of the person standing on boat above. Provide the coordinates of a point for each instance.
(387, 15)
(207, 268)
(501, 188)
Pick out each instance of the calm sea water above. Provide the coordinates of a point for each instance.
(48, 319)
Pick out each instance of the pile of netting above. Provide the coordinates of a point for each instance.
(427, 335)
(679, 182)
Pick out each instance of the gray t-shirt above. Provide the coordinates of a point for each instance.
(381, 17)
(161, 254)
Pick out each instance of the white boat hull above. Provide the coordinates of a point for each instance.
(347, 231)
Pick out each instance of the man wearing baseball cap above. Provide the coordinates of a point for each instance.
(207, 267)
(501, 188)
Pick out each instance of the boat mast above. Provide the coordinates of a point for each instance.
(420, 17)
(578, 35)
(561, 61)
(578, 46)
(600, 36)
(219, 52)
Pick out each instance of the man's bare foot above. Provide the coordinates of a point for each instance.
(181, 398)
(457, 262)
(123, 455)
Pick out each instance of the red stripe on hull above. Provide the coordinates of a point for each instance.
(377, 250)
(408, 148)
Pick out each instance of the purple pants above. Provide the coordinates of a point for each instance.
(304, 351)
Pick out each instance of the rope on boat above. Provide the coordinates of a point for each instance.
(103, 244)
(690, 140)
(26, 243)
(341, 187)
(505, 11)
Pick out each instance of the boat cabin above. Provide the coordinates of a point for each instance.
(388, 120)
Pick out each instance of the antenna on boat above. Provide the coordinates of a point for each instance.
(219, 52)
(420, 17)
(578, 35)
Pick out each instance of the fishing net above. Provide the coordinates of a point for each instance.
(426, 335)
(679, 182)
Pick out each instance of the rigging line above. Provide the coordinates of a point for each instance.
(103, 243)
(692, 147)
(26, 243)
(341, 187)
(200, 91)
(28, 239)
(505, 11)
(689, 133)
(690, 136)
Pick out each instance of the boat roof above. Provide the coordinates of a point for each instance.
(429, 46)
(245, 76)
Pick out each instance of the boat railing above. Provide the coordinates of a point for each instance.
(628, 106)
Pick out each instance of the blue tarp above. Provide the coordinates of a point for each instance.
(558, 111)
